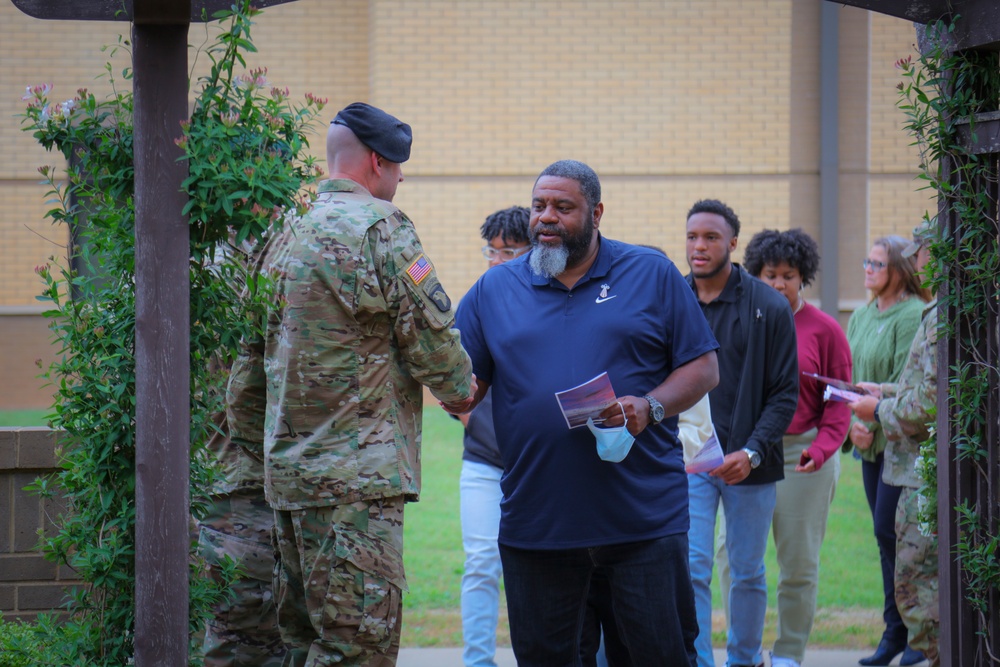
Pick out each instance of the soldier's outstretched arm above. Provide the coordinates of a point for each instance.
(424, 326)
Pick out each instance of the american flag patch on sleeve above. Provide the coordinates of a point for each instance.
(419, 270)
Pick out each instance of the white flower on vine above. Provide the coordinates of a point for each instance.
(36, 92)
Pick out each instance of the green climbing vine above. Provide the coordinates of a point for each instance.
(942, 95)
(245, 147)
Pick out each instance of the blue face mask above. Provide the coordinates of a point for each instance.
(613, 443)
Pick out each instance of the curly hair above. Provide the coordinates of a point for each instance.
(510, 224)
(795, 247)
(718, 208)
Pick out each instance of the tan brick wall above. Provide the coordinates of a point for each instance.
(25, 348)
(668, 101)
(28, 239)
(630, 87)
(892, 39)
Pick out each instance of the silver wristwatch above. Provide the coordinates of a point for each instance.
(656, 412)
(754, 457)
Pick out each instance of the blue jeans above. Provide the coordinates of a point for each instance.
(748, 510)
(480, 495)
(651, 598)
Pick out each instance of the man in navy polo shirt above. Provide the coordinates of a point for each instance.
(578, 305)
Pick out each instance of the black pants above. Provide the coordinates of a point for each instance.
(882, 501)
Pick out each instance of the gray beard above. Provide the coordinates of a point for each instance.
(549, 262)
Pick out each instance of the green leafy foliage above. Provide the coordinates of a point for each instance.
(45, 642)
(245, 149)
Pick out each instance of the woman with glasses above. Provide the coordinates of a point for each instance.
(880, 334)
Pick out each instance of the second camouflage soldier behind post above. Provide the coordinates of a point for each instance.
(332, 396)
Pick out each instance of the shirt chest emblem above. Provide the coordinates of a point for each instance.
(603, 296)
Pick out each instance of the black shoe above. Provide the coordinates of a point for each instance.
(883, 655)
(911, 656)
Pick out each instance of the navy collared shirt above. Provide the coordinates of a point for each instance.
(631, 315)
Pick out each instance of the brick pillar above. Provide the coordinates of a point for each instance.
(29, 584)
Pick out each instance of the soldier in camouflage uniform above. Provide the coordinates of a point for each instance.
(332, 396)
(243, 630)
(903, 409)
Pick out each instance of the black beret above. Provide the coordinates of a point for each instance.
(384, 134)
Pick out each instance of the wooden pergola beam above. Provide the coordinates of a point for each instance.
(983, 137)
(978, 29)
(125, 10)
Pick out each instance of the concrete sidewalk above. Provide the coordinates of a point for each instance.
(452, 657)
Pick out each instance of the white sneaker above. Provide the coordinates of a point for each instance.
(783, 662)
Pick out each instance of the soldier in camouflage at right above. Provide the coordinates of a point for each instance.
(331, 398)
(904, 410)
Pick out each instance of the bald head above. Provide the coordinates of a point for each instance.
(345, 154)
(348, 157)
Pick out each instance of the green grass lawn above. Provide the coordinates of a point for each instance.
(850, 589)
(23, 417)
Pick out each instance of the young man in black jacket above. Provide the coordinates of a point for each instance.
(752, 406)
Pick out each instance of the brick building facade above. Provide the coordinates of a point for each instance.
(670, 101)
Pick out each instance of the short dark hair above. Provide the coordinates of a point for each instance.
(718, 208)
(510, 224)
(795, 247)
(590, 185)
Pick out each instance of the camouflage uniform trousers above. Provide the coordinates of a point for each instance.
(917, 578)
(339, 583)
(244, 629)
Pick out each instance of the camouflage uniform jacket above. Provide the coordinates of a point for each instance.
(238, 471)
(904, 410)
(358, 322)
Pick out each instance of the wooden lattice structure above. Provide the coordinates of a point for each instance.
(967, 637)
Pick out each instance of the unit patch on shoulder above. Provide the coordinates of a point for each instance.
(419, 269)
(436, 293)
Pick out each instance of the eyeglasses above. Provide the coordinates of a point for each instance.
(505, 254)
(873, 265)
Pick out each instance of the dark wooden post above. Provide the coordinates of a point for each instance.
(162, 348)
